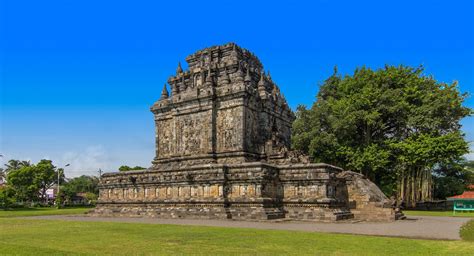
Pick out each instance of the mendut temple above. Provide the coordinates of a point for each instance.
(223, 138)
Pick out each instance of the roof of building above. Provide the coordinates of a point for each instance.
(464, 196)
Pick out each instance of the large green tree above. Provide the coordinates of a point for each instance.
(22, 181)
(452, 178)
(83, 184)
(46, 175)
(31, 181)
(393, 124)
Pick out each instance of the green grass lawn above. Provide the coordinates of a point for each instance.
(24, 212)
(438, 213)
(44, 237)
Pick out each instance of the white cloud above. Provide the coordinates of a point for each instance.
(87, 162)
(89, 159)
(469, 156)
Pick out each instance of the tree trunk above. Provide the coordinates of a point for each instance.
(415, 184)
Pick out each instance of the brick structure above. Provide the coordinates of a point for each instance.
(223, 151)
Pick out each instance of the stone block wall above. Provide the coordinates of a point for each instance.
(366, 201)
(247, 191)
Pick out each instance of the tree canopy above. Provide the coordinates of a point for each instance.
(125, 168)
(14, 164)
(83, 184)
(87, 185)
(393, 124)
(28, 183)
(31, 181)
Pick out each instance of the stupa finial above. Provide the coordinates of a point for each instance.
(164, 92)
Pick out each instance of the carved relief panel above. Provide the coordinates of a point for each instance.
(165, 138)
(192, 133)
(229, 129)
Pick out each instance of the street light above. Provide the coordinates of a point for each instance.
(57, 195)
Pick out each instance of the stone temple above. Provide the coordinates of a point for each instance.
(223, 152)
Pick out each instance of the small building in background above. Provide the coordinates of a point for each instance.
(51, 193)
(465, 201)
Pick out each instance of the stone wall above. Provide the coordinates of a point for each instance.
(254, 191)
(366, 200)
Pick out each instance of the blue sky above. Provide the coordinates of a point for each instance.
(77, 78)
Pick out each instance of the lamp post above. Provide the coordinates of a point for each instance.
(57, 195)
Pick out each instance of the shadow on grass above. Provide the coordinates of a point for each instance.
(438, 213)
(38, 211)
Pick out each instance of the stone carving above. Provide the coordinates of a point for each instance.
(223, 151)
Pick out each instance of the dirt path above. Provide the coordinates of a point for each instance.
(446, 228)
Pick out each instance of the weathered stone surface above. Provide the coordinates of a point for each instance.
(224, 109)
(366, 200)
(223, 151)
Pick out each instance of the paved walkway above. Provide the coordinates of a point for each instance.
(445, 228)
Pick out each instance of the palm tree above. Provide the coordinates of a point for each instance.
(3, 175)
(15, 165)
(12, 165)
(25, 163)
